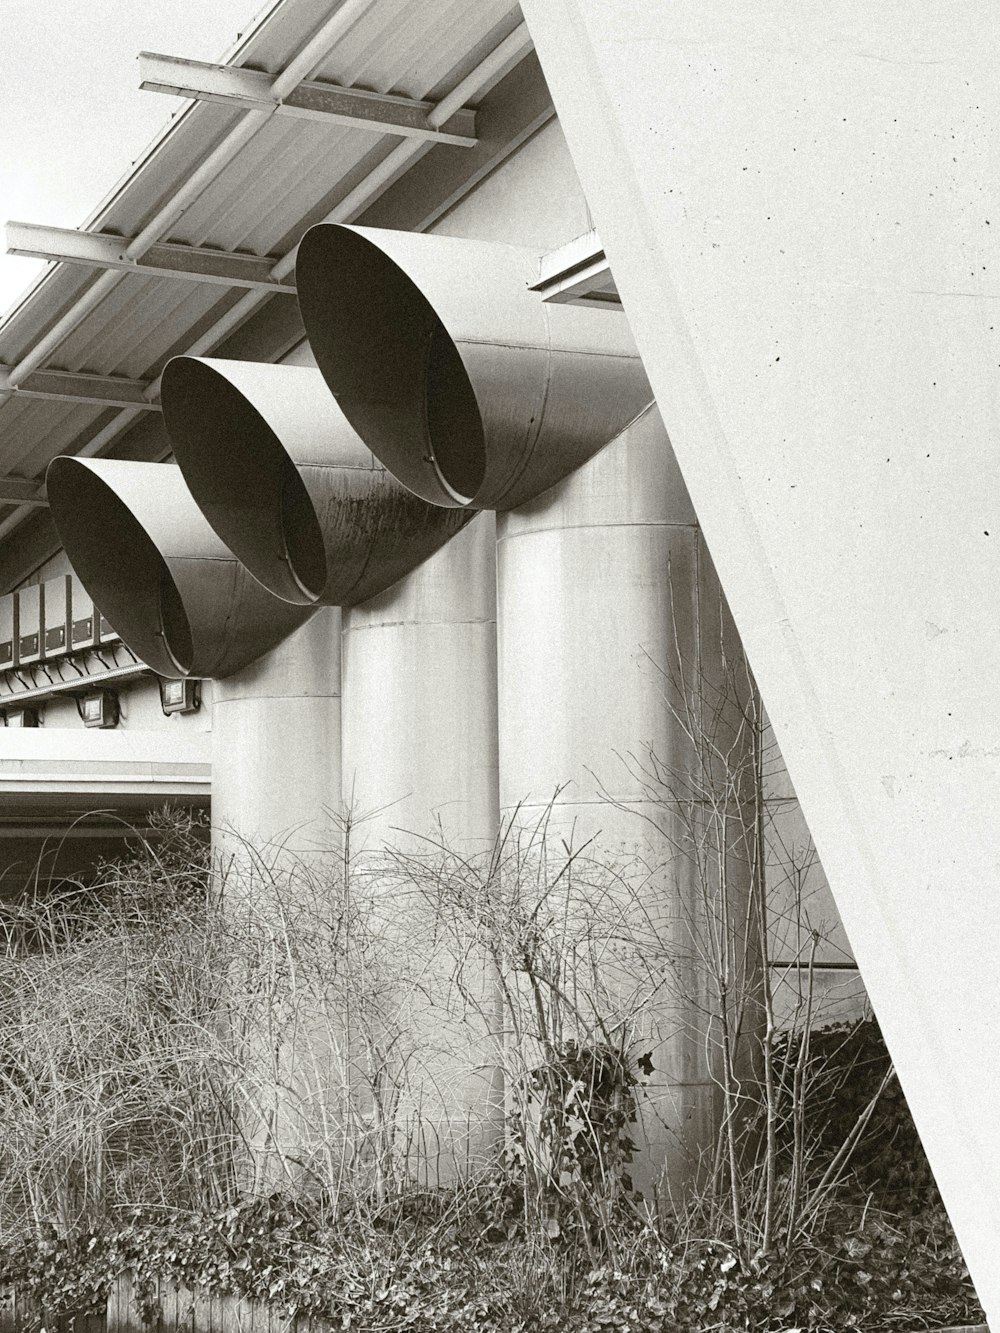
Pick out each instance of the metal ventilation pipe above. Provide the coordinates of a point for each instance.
(285, 480)
(287, 484)
(146, 555)
(185, 604)
(472, 391)
(614, 647)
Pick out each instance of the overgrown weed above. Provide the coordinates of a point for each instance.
(233, 1082)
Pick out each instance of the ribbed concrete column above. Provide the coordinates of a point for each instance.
(276, 746)
(420, 773)
(612, 662)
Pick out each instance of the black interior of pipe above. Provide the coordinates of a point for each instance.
(391, 364)
(243, 480)
(454, 425)
(120, 566)
(302, 538)
(174, 623)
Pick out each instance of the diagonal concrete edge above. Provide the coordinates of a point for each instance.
(796, 205)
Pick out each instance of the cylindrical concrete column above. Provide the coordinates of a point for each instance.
(275, 842)
(276, 746)
(617, 724)
(420, 748)
(420, 778)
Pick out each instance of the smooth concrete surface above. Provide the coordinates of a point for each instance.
(276, 747)
(420, 780)
(804, 931)
(618, 724)
(62, 762)
(797, 204)
(597, 584)
(420, 744)
(276, 845)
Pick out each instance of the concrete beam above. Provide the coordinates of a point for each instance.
(327, 103)
(67, 762)
(100, 390)
(804, 244)
(95, 250)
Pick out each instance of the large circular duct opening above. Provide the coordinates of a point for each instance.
(392, 365)
(120, 567)
(243, 480)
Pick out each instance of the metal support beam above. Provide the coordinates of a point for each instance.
(503, 132)
(22, 491)
(95, 250)
(578, 274)
(327, 103)
(98, 390)
(82, 681)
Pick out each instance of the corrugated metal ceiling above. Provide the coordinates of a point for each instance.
(291, 173)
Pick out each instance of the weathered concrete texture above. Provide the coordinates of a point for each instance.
(796, 202)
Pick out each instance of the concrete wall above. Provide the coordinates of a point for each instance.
(534, 199)
(796, 204)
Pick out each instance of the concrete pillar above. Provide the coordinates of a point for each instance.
(795, 203)
(420, 702)
(613, 651)
(420, 775)
(276, 847)
(276, 746)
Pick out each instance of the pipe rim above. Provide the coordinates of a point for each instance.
(120, 566)
(274, 529)
(399, 377)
